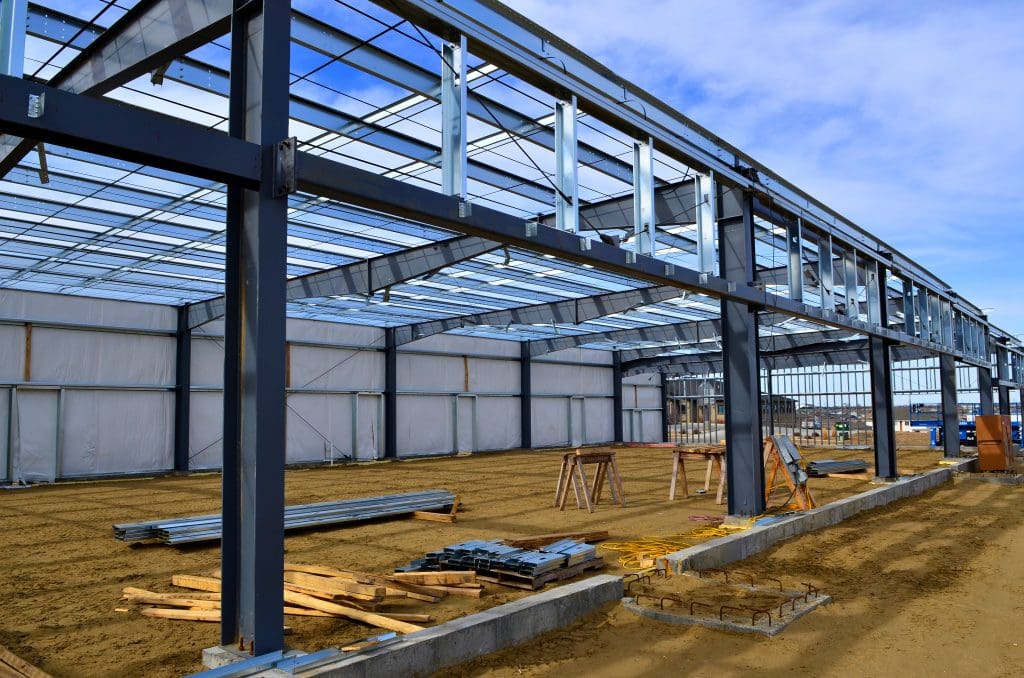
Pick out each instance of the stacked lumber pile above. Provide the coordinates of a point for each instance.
(318, 591)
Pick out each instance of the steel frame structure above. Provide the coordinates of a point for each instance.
(840, 294)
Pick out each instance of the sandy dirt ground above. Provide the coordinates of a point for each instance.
(930, 586)
(61, 571)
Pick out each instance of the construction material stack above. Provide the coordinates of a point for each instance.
(512, 566)
(995, 442)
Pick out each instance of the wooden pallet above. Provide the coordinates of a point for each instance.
(533, 583)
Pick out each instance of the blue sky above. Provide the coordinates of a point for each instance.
(907, 117)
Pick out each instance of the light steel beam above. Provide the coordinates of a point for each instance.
(365, 277)
(570, 311)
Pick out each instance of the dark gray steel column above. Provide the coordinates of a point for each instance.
(182, 390)
(985, 390)
(950, 411)
(741, 367)
(664, 407)
(1004, 400)
(617, 396)
(254, 358)
(525, 396)
(390, 394)
(881, 408)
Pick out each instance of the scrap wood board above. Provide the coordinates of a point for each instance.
(16, 667)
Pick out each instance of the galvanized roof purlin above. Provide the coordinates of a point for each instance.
(365, 92)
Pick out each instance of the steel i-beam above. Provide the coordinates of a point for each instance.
(741, 367)
(182, 390)
(617, 427)
(525, 396)
(252, 548)
(883, 426)
(390, 394)
(950, 410)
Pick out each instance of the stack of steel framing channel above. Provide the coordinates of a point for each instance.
(207, 528)
(495, 557)
(825, 466)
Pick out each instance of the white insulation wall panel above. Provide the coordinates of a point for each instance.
(319, 427)
(431, 373)
(60, 308)
(579, 355)
(34, 454)
(207, 362)
(600, 426)
(106, 432)
(206, 417)
(550, 422)
(571, 380)
(12, 354)
(425, 425)
(5, 438)
(100, 358)
(315, 331)
(315, 367)
(497, 423)
(460, 344)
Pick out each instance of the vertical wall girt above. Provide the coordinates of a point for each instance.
(643, 197)
(947, 323)
(1003, 375)
(182, 390)
(924, 325)
(567, 211)
(875, 291)
(254, 358)
(909, 309)
(984, 373)
(390, 394)
(525, 396)
(707, 213)
(883, 425)
(741, 367)
(13, 18)
(950, 411)
(617, 426)
(828, 297)
(850, 283)
(453, 118)
(795, 264)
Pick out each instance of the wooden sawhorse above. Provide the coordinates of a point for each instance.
(572, 472)
(714, 455)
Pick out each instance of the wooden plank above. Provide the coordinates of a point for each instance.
(333, 597)
(444, 578)
(541, 540)
(192, 595)
(185, 615)
(20, 665)
(435, 517)
(191, 581)
(394, 587)
(459, 591)
(172, 602)
(370, 618)
(337, 586)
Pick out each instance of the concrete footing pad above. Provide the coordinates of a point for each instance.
(460, 640)
(764, 625)
(742, 545)
(997, 478)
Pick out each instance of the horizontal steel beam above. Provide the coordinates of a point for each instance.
(570, 311)
(365, 277)
(120, 131)
(149, 35)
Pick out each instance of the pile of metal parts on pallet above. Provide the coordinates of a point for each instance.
(513, 566)
(301, 516)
